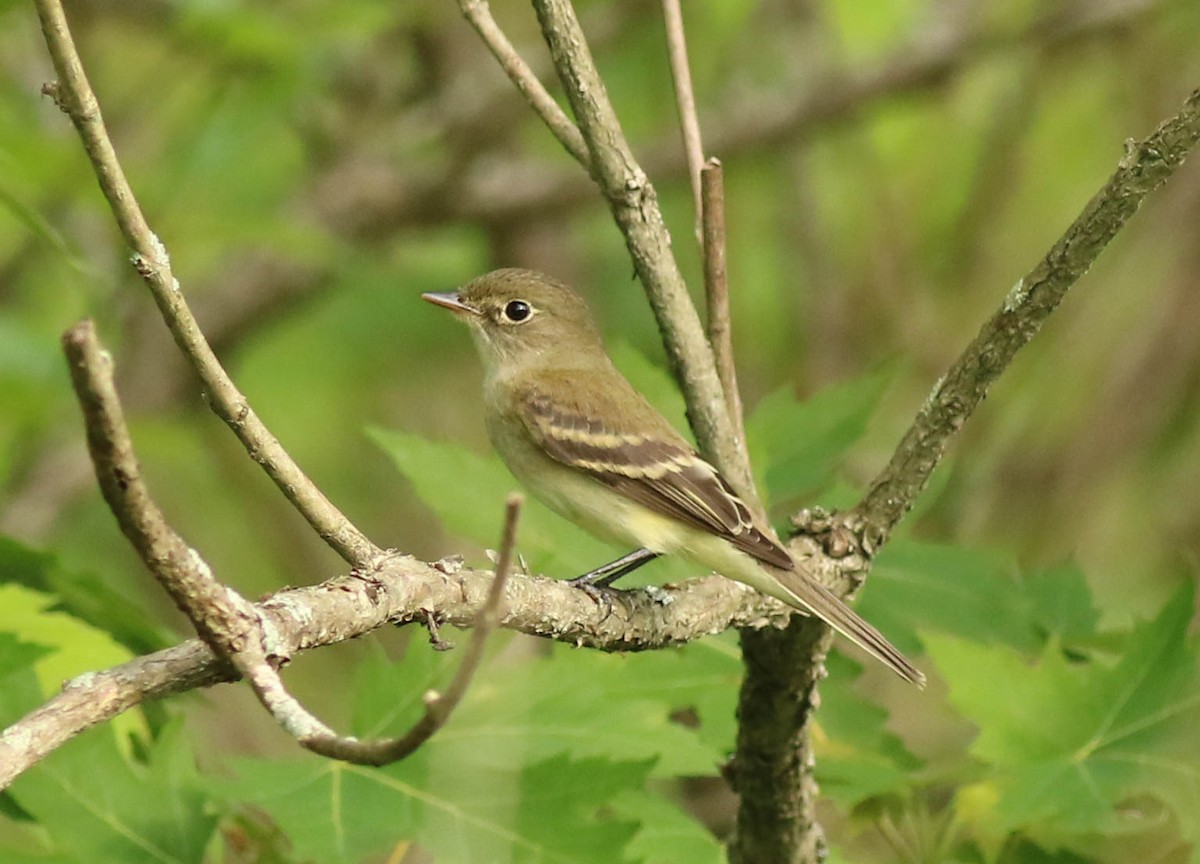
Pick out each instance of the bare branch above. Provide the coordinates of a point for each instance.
(685, 100)
(438, 707)
(479, 14)
(74, 95)
(716, 288)
(1146, 165)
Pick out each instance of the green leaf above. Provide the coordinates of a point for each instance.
(977, 595)
(551, 811)
(97, 805)
(527, 733)
(797, 446)
(857, 757)
(19, 688)
(14, 856)
(17, 656)
(518, 712)
(945, 589)
(1073, 747)
(332, 811)
(564, 810)
(84, 595)
(1062, 603)
(437, 470)
(667, 834)
(77, 647)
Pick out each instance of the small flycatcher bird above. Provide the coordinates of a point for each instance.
(577, 434)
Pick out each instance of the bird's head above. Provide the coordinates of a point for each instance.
(522, 318)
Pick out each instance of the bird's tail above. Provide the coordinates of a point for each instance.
(811, 596)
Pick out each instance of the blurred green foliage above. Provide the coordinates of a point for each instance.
(313, 167)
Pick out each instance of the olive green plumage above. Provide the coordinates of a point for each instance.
(582, 440)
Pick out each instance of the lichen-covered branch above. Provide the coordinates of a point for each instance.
(397, 590)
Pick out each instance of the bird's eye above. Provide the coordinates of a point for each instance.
(517, 311)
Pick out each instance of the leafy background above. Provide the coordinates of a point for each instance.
(313, 167)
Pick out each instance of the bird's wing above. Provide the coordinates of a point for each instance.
(591, 431)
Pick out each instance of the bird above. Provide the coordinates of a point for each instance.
(581, 439)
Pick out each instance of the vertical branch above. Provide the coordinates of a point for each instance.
(776, 819)
(634, 205)
(772, 770)
(716, 288)
(685, 99)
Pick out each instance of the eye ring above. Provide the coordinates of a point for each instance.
(517, 311)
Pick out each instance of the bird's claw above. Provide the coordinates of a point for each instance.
(600, 594)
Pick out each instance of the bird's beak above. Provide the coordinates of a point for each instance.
(452, 302)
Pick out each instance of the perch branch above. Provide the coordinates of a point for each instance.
(74, 95)
(398, 589)
(1145, 166)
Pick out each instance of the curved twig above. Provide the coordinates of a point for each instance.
(438, 706)
(74, 95)
(396, 590)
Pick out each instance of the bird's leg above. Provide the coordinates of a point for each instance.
(604, 576)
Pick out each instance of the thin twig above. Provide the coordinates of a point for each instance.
(479, 14)
(634, 205)
(685, 100)
(74, 95)
(716, 287)
(1146, 165)
(438, 707)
